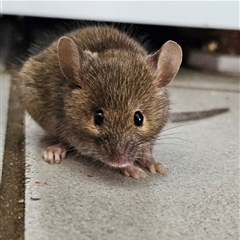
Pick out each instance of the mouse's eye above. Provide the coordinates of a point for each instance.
(138, 118)
(98, 117)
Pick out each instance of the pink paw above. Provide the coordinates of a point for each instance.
(153, 166)
(156, 167)
(54, 153)
(133, 171)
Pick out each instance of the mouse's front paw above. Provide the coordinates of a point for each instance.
(55, 153)
(133, 171)
(156, 167)
(153, 166)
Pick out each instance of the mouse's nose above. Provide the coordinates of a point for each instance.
(119, 161)
(121, 154)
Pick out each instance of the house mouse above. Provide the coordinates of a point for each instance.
(98, 90)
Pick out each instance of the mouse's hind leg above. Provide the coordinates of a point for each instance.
(55, 153)
(149, 162)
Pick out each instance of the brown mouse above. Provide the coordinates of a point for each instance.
(99, 91)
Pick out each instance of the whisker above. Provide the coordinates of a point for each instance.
(178, 138)
(174, 133)
(171, 143)
(178, 126)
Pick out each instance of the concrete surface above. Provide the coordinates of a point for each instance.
(5, 81)
(197, 200)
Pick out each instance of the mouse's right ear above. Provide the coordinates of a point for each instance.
(68, 57)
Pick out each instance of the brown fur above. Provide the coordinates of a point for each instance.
(100, 68)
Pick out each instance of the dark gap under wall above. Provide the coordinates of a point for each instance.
(18, 33)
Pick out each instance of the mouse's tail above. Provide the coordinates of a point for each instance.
(190, 116)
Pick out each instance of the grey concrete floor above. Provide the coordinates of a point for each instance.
(198, 199)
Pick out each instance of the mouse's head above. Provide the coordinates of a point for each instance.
(118, 102)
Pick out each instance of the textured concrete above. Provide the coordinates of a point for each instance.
(197, 200)
(4, 96)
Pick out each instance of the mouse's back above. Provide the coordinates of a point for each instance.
(102, 38)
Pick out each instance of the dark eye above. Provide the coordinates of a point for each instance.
(138, 119)
(98, 117)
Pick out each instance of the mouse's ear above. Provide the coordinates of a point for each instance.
(165, 63)
(68, 57)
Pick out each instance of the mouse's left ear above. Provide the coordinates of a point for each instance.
(165, 63)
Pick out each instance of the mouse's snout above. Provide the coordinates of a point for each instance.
(121, 155)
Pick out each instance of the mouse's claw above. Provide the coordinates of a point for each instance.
(133, 171)
(160, 168)
(55, 153)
